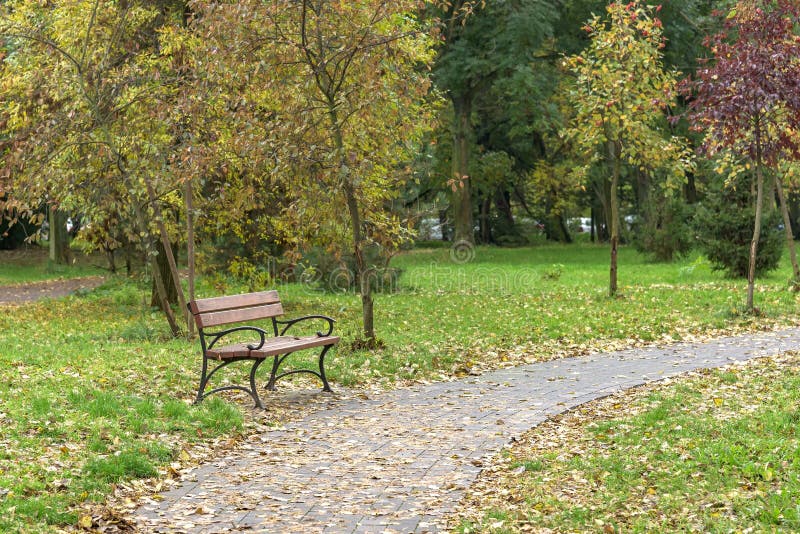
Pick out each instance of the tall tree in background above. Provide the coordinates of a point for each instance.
(481, 41)
(620, 94)
(747, 99)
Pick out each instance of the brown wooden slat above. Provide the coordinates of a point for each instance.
(281, 345)
(239, 315)
(229, 302)
(229, 351)
(273, 346)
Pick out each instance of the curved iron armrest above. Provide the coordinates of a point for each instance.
(292, 322)
(216, 336)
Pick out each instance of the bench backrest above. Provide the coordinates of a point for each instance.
(217, 311)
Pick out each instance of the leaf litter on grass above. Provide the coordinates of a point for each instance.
(714, 450)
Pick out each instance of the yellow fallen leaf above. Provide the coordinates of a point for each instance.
(718, 401)
(85, 521)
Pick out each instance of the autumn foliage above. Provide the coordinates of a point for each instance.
(745, 99)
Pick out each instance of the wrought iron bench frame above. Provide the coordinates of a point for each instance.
(218, 311)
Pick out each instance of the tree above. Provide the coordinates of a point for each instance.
(331, 99)
(84, 88)
(481, 41)
(620, 94)
(747, 100)
(724, 226)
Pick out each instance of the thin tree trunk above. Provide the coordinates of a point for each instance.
(166, 275)
(190, 249)
(167, 248)
(690, 189)
(614, 201)
(751, 273)
(462, 197)
(486, 235)
(365, 287)
(787, 226)
(159, 281)
(363, 271)
(603, 192)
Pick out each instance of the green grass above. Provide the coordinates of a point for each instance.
(448, 317)
(93, 391)
(716, 453)
(31, 264)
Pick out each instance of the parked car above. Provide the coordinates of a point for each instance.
(580, 224)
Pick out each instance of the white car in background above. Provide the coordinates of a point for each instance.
(580, 224)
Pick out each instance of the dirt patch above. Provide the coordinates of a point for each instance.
(22, 293)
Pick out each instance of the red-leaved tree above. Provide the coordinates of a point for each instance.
(746, 98)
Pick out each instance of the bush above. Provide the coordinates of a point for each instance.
(666, 232)
(724, 224)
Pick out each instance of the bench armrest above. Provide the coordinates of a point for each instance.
(292, 322)
(216, 336)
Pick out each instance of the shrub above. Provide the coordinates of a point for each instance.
(666, 232)
(724, 224)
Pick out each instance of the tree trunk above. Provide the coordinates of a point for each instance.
(444, 224)
(163, 303)
(112, 263)
(166, 276)
(59, 239)
(486, 233)
(613, 149)
(787, 226)
(128, 258)
(168, 250)
(690, 189)
(462, 198)
(643, 197)
(364, 273)
(190, 250)
(793, 200)
(603, 222)
(751, 273)
(502, 200)
(158, 281)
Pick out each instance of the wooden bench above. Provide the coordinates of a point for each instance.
(219, 311)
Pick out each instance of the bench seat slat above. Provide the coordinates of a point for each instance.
(216, 318)
(234, 301)
(273, 346)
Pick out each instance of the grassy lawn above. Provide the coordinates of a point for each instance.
(718, 452)
(30, 264)
(93, 392)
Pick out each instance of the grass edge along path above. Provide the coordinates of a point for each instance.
(713, 451)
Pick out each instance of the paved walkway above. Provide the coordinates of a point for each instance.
(51, 289)
(401, 461)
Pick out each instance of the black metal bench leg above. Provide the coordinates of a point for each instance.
(203, 382)
(325, 386)
(253, 390)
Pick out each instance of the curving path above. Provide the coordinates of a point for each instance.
(399, 462)
(31, 292)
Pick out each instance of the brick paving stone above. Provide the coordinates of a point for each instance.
(401, 461)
